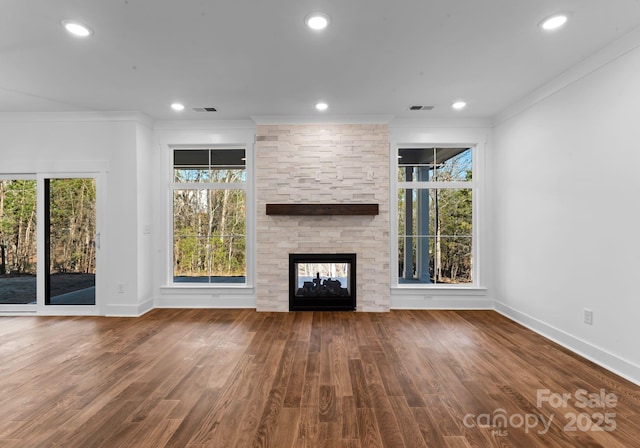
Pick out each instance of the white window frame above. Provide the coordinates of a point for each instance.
(478, 234)
(247, 186)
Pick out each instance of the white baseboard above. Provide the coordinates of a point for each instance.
(422, 302)
(615, 364)
(126, 310)
(205, 297)
(207, 302)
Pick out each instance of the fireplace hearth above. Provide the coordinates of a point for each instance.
(322, 282)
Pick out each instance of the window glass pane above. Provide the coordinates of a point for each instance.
(227, 223)
(417, 210)
(435, 230)
(224, 175)
(453, 165)
(71, 205)
(452, 260)
(191, 157)
(434, 164)
(18, 242)
(191, 262)
(191, 258)
(209, 235)
(228, 165)
(229, 158)
(191, 213)
(227, 211)
(228, 258)
(191, 165)
(450, 211)
(416, 173)
(406, 206)
(415, 259)
(416, 164)
(183, 175)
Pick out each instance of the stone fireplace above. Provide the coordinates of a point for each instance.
(329, 165)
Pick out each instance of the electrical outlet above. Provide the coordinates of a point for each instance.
(588, 316)
(120, 288)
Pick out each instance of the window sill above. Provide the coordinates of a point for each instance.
(207, 286)
(441, 290)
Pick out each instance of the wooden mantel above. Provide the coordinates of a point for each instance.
(322, 209)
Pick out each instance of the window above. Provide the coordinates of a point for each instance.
(435, 191)
(209, 216)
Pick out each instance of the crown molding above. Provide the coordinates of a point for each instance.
(197, 125)
(61, 117)
(624, 45)
(441, 123)
(317, 119)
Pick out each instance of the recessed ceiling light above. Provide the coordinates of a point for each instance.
(317, 21)
(177, 107)
(77, 28)
(322, 106)
(553, 22)
(458, 105)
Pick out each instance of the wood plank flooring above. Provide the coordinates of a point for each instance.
(238, 378)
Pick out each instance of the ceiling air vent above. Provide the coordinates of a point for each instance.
(421, 107)
(205, 109)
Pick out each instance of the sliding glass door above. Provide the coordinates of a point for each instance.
(49, 243)
(70, 241)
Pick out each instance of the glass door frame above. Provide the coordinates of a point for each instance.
(67, 310)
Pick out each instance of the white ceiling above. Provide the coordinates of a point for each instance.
(256, 57)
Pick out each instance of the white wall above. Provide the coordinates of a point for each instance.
(566, 192)
(104, 144)
(146, 175)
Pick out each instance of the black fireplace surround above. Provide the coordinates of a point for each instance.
(322, 282)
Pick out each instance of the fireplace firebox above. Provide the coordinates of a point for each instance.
(322, 282)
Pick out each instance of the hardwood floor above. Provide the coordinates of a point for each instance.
(238, 378)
